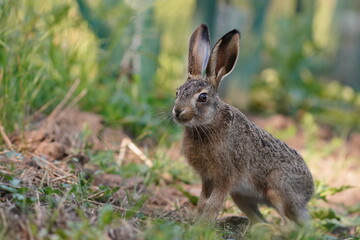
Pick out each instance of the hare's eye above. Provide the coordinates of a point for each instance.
(202, 97)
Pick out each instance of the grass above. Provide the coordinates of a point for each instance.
(56, 200)
(41, 60)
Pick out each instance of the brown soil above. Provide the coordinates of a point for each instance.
(63, 138)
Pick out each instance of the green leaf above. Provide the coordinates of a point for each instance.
(323, 190)
(15, 182)
(106, 215)
(8, 188)
(49, 190)
(325, 214)
(330, 224)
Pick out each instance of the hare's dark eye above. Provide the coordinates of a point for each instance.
(202, 97)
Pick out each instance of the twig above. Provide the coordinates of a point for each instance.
(47, 163)
(4, 172)
(3, 218)
(78, 98)
(22, 226)
(122, 151)
(126, 142)
(61, 177)
(44, 107)
(118, 208)
(140, 154)
(171, 212)
(46, 174)
(96, 194)
(5, 137)
(63, 102)
(25, 172)
(30, 234)
(71, 181)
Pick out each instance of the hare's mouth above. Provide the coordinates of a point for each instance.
(183, 116)
(183, 120)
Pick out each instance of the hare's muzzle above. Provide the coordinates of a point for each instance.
(177, 112)
(182, 115)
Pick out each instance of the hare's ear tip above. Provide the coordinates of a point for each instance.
(204, 32)
(203, 25)
(234, 32)
(203, 28)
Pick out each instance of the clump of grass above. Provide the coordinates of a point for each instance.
(44, 49)
(73, 208)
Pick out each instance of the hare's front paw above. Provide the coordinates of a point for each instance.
(207, 218)
(205, 221)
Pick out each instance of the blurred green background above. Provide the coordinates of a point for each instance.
(296, 57)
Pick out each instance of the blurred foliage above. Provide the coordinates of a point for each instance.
(323, 190)
(296, 55)
(44, 47)
(131, 55)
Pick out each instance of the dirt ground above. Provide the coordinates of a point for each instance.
(64, 136)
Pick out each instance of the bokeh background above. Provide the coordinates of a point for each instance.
(86, 92)
(296, 56)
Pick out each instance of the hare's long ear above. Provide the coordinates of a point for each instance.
(223, 57)
(199, 52)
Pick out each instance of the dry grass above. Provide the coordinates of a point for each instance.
(47, 193)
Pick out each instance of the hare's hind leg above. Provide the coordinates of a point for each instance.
(288, 207)
(302, 216)
(250, 209)
(277, 202)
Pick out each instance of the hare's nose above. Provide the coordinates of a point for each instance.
(178, 111)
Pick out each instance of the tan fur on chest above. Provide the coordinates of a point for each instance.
(207, 161)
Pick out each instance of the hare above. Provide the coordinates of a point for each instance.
(231, 154)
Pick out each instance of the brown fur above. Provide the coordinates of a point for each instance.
(231, 154)
(199, 49)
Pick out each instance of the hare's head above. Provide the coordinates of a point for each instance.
(197, 99)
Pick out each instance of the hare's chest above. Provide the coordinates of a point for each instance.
(207, 161)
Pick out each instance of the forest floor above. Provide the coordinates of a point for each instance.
(70, 177)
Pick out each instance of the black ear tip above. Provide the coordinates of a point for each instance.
(204, 26)
(235, 31)
(204, 32)
(230, 35)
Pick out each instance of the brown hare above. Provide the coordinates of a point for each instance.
(231, 154)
